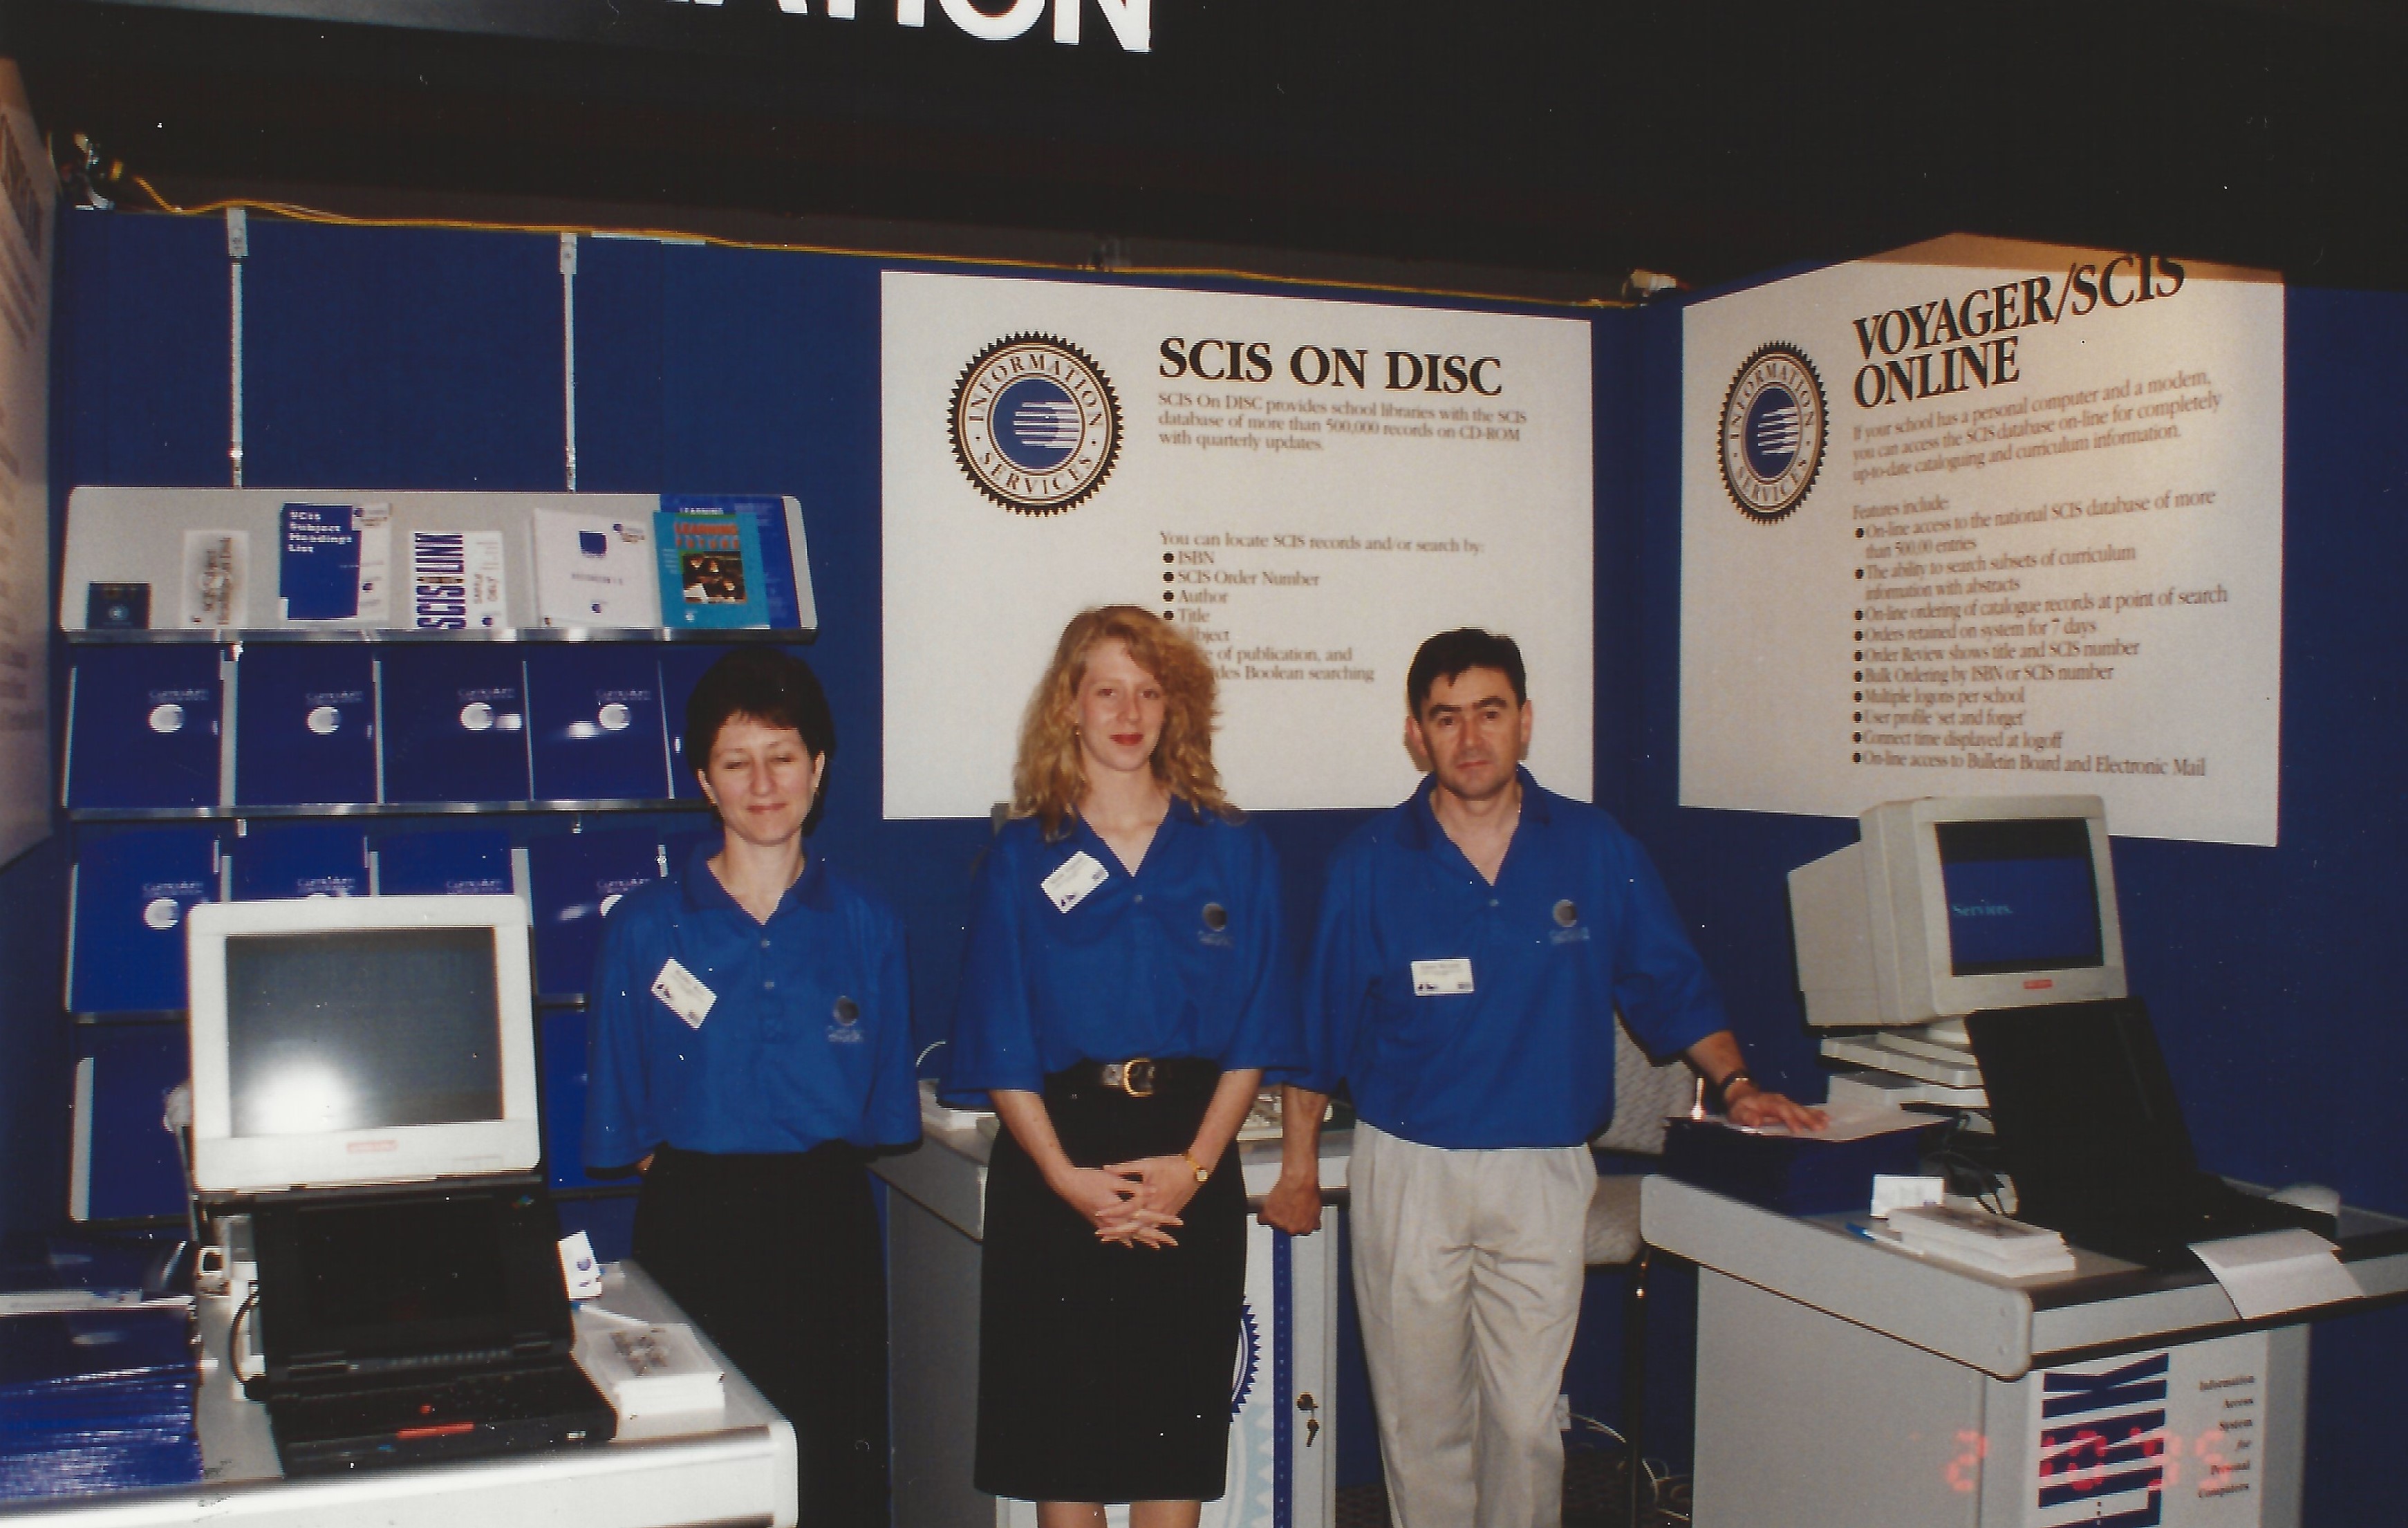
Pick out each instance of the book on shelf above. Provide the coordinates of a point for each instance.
(455, 581)
(334, 563)
(782, 600)
(712, 575)
(217, 579)
(592, 571)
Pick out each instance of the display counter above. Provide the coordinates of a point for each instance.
(1841, 1380)
(732, 1467)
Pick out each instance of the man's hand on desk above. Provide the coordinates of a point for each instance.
(1753, 1106)
(1294, 1205)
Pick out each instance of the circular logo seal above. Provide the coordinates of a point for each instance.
(1774, 427)
(1035, 424)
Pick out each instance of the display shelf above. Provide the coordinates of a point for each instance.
(385, 809)
(373, 565)
(380, 636)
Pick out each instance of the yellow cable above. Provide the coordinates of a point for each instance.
(310, 214)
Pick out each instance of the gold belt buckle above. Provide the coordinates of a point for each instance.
(1133, 1077)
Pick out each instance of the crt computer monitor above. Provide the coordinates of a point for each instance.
(341, 1042)
(1947, 907)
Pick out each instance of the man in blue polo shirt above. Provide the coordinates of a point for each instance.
(1475, 945)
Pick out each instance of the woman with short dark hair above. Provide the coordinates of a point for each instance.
(751, 1044)
(1122, 989)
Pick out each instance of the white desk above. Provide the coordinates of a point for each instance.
(1847, 1382)
(731, 1467)
(936, 1218)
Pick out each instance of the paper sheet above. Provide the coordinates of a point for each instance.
(2278, 1271)
(1849, 1122)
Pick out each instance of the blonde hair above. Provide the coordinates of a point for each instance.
(1048, 780)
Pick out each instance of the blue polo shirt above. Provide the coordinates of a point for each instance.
(1182, 958)
(1577, 925)
(808, 1038)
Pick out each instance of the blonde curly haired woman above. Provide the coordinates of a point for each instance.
(1124, 987)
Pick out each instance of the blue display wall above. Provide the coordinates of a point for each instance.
(432, 359)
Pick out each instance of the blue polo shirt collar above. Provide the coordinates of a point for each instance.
(1420, 829)
(1182, 814)
(704, 893)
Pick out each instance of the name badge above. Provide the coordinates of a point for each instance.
(684, 993)
(1442, 978)
(1077, 876)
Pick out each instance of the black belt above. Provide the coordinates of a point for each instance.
(1141, 1076)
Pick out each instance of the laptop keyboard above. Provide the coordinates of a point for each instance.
(482, 1398)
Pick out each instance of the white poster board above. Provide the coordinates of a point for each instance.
(28, 207)
(1309, 488)
(1983, 517)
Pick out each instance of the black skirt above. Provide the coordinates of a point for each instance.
(1105, 1371)
(777, 1257)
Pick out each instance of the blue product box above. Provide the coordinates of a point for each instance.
(471, 863)
(454, 723)
(304, 858)
(578, 878)
(596, 714)
(143, 727)
(123, 1164)
(125, 920)
(305, 726)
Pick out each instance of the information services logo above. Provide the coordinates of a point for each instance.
(1035, 424)
(1774, 427)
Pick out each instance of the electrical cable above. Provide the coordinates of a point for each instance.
(1960, 1163)
(234, 1334)
(298, 212)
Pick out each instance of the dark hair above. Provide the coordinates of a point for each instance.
(771, 686)
(1447, 654)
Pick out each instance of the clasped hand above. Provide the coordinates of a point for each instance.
(1133, 1202)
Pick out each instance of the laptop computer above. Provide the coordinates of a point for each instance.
(2092, 1133)
(364, 1085)
(411, 1328)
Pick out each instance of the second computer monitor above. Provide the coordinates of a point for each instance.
(1946, 907)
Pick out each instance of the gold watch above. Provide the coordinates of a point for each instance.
(1203, 1173)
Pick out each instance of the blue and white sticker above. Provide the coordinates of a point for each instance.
(1442, 978)
(1071, 882)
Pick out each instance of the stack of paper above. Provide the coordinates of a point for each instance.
(646, 1369)
(97, 1400)
(1977, 1239)
(2275, 1271)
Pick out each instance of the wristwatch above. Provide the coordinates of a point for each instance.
(1203, 1173)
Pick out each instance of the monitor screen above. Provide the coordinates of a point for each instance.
(2022, 895)
(448, 1266)
(362, 1029)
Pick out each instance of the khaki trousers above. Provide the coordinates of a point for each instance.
(1468, 1268)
